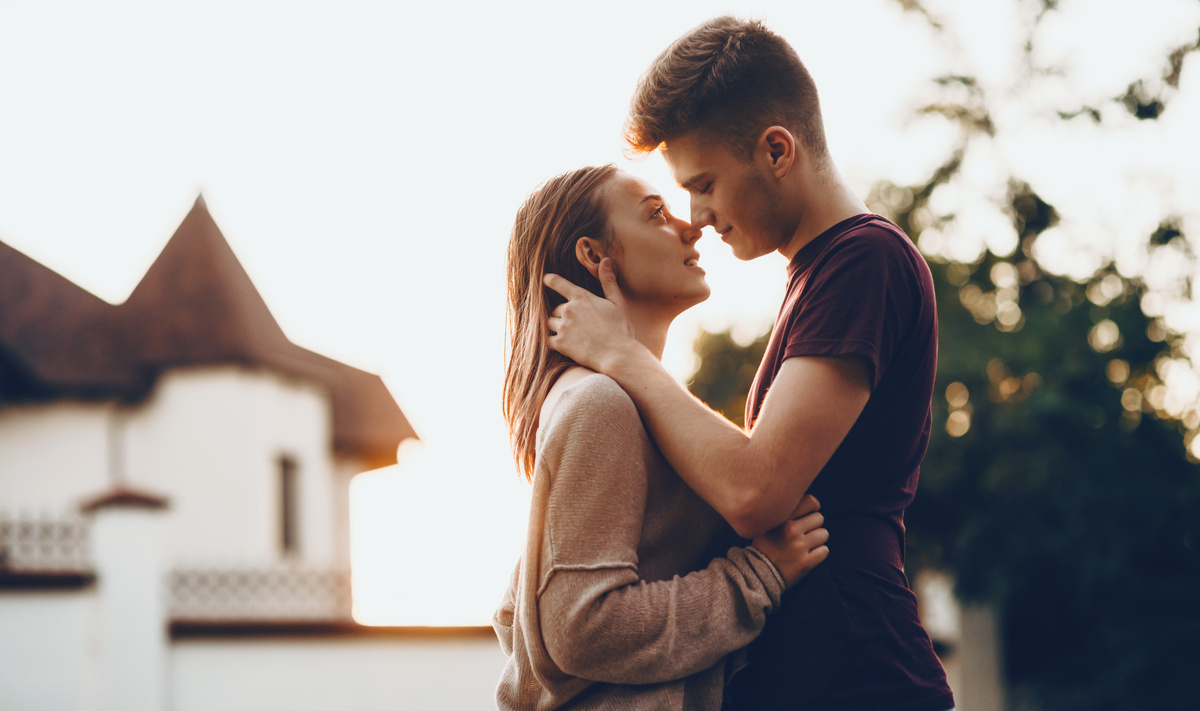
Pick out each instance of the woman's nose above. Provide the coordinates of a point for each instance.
(688, 233)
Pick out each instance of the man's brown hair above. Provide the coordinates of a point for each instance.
(730, 79)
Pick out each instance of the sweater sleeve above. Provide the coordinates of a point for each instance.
(599, 620)
(505, 615)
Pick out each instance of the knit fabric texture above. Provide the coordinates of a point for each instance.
(618, 601)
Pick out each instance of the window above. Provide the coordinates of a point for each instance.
(289, 540)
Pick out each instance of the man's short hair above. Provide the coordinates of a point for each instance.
(730, 79)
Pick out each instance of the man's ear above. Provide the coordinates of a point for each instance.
(777, 149)
(589, 252)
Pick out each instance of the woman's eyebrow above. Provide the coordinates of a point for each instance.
(651, 197)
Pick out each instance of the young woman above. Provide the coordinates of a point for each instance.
(624, 598)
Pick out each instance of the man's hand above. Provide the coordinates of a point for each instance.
(797, 545)
(591, 331)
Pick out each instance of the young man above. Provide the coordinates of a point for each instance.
(849, 368)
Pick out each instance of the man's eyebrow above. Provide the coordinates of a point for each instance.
(690, 183)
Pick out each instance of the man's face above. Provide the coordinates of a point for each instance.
(728, 192)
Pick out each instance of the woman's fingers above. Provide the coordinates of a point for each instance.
(808, 523)
(807, 505)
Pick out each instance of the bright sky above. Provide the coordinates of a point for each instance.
(365, 160)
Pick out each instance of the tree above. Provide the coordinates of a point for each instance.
(1060, 484)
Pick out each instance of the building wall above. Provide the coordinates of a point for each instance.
(210, 440)
(429, 673)
(47, 650)
(52, 456)
(51, 659)
(345, 469)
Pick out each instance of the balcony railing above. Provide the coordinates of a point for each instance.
(45, 551)
(43, 544)
(256, 594)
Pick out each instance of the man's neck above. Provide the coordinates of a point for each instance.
(826, 200)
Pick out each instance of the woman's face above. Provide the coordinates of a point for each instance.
(654, 252)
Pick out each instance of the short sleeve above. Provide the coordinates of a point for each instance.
(858, 295)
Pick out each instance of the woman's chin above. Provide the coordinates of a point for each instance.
(698, 296)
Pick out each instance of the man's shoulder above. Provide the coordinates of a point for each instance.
(875, 247)
(874, 236)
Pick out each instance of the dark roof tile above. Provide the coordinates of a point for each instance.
(195, 306)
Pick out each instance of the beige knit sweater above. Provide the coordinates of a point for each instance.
(619, 602)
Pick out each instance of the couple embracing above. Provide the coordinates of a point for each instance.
(674, 560)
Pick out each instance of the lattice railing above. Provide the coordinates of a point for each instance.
(47, 544)
(281, 593)
(43, 543)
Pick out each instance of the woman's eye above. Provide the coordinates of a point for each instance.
(658, 212)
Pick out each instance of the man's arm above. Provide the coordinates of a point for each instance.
(754, 481)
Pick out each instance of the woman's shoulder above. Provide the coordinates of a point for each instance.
(581, 392)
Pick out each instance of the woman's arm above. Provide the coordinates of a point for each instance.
(505, 615)
(607, 625)
(598, 619)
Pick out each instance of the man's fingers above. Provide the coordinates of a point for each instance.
(608, 282)
(563, 286)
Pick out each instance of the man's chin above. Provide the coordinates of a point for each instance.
(747, 249)
(745, 252)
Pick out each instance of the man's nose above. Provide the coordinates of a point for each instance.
(701, 216)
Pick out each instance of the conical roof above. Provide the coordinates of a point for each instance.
(195, 306)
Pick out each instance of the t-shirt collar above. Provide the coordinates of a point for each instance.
(808, 254)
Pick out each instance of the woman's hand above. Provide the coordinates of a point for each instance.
(798, 545)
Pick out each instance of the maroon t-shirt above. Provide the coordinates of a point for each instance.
(848, 636)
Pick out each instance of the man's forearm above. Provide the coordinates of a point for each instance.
(712, 455)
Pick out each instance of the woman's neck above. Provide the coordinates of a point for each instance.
(650, 326)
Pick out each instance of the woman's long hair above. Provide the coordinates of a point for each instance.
(548, 225)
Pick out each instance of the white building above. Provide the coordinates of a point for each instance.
(174, 513)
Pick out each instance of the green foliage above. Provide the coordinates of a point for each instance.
(726, 372)
(1071, 511)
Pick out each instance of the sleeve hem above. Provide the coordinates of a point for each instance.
(770, 566)
(826, 347)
